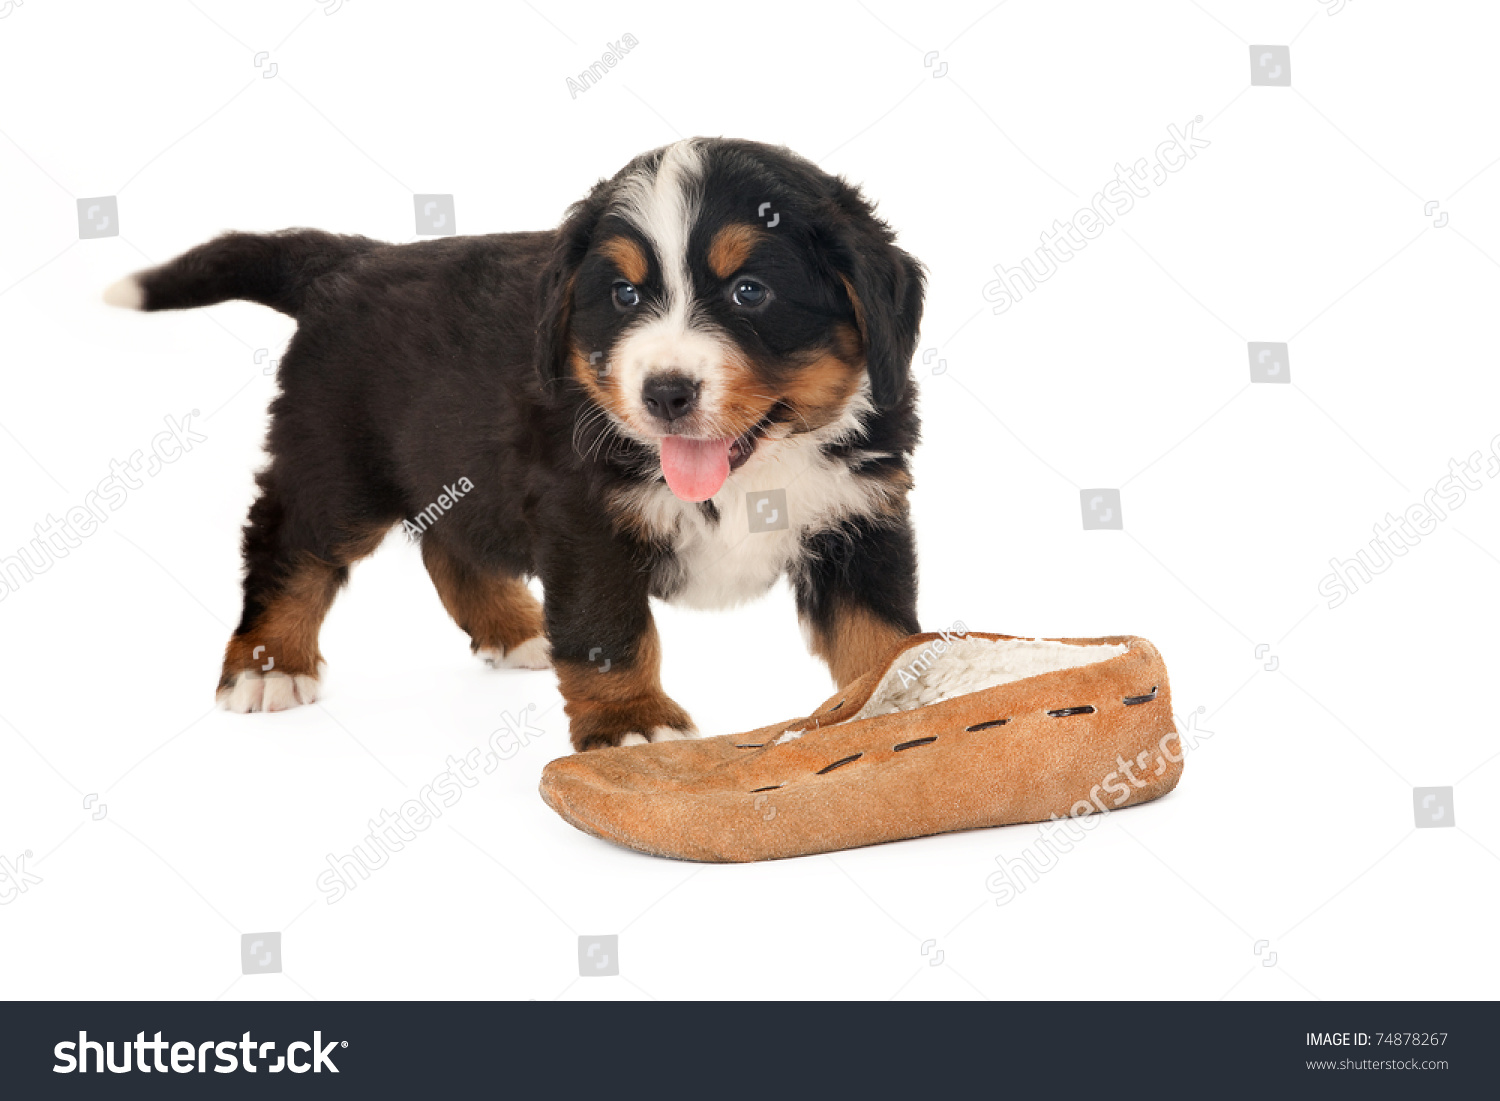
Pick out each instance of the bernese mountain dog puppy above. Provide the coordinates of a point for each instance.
(606, 406)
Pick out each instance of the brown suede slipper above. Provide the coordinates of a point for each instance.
(951, 732)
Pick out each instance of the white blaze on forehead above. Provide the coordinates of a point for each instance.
(664, 206)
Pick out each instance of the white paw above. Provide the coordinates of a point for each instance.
(256, 691)
(672, 734)
(659, 734)
(534, 653)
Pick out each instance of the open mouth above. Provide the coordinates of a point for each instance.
(697, 469)
(744, 446)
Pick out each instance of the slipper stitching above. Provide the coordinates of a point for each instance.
(838, 764)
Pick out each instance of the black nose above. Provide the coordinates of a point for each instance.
(670, 397)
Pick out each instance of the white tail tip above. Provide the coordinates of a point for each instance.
(126, 294)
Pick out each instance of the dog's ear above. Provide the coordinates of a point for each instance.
(555, 292)
(885, 286)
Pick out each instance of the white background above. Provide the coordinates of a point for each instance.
(1302, 222)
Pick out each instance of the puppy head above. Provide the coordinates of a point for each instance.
(718, 295)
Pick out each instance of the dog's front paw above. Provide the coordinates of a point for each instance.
(252, 690)
(659, 734)
(636, 722)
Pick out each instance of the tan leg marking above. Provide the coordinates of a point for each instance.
(285, 635)
(604, 706)
(855, 643)
(274, 665)
(498, 611)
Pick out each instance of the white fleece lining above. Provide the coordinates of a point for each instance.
(942, 670)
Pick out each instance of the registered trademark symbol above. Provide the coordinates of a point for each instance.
(344, 1043)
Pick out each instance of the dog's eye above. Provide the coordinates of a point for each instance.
(747, 292)
(626, 296)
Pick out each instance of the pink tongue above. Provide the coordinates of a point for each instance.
(694, 469)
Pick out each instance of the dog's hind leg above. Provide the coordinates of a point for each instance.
(293, 570)
(502, 618)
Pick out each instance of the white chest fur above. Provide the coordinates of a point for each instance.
(734, 560)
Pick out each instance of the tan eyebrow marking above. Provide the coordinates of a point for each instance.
(627, 256)
(730, 248)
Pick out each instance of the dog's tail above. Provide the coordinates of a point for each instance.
(274, 269)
